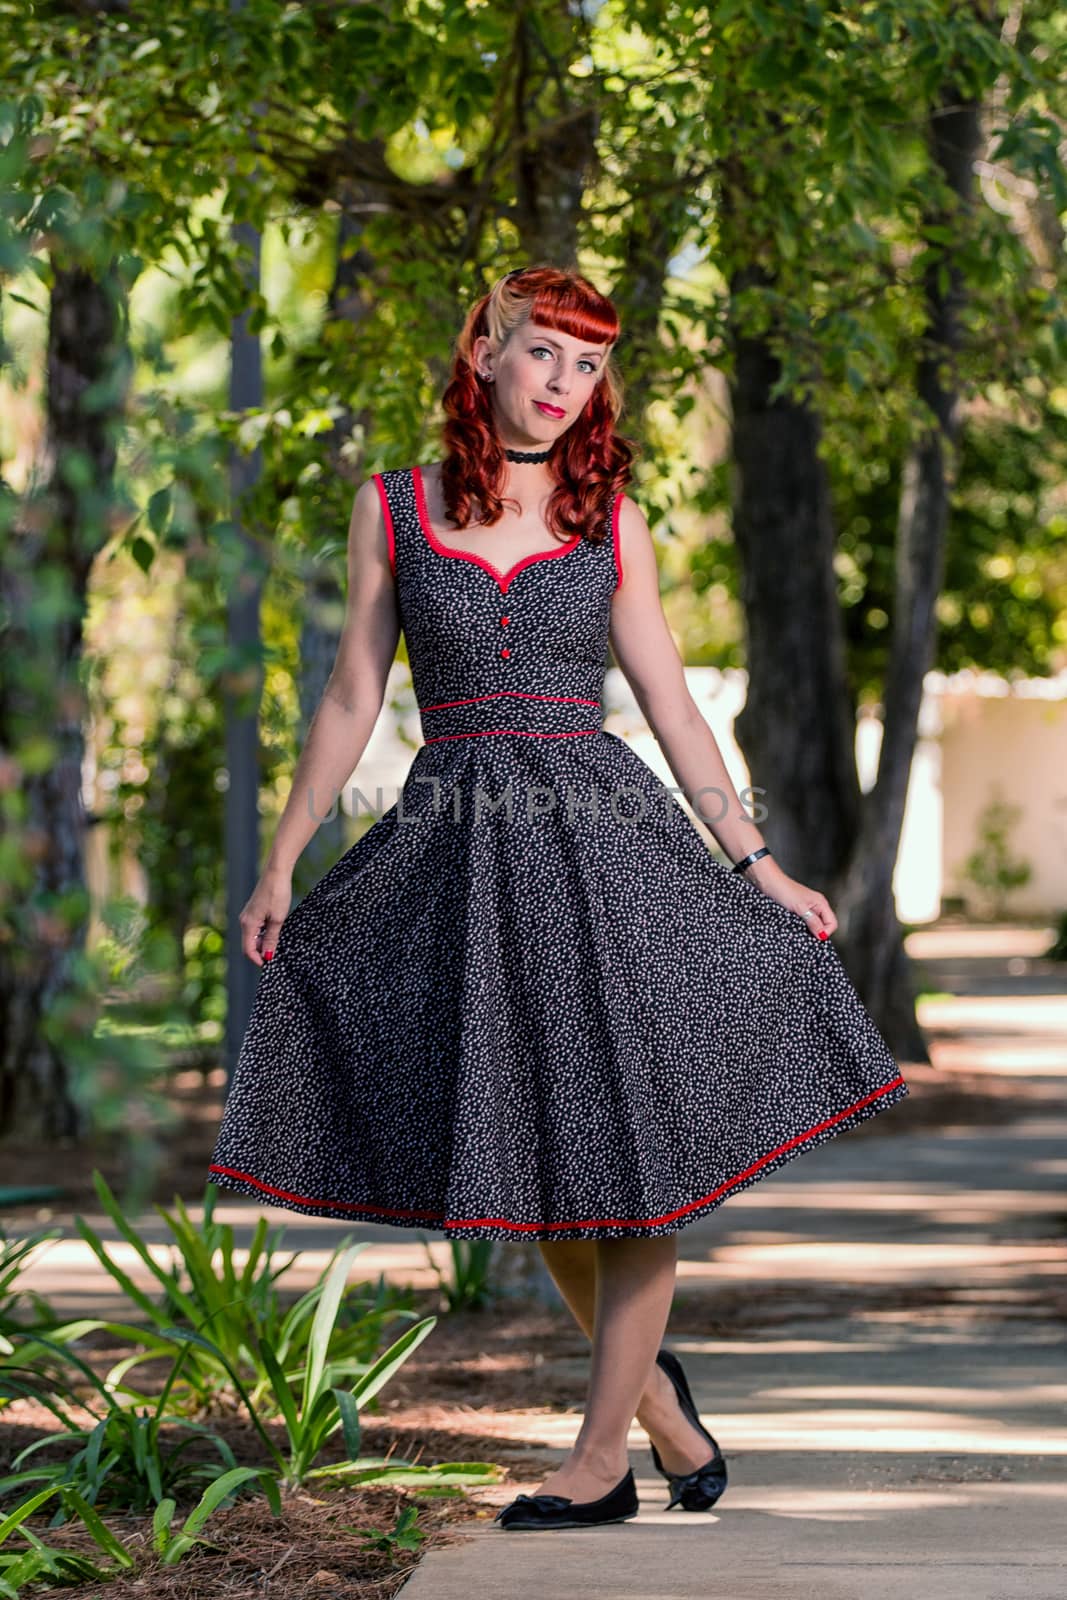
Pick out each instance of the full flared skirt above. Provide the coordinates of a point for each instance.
(558, 1017)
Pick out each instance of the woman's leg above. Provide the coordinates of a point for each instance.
(573, 1266)
(633, 1287)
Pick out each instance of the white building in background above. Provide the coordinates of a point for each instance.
(1002, 741)
(981, 740)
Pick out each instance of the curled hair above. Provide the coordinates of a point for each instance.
(590, 461)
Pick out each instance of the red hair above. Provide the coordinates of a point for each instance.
(590, 461)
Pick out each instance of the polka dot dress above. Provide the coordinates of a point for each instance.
(528, 1002)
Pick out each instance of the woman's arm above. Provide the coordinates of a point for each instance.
(649, 659)
(343, 720)
(355, 690)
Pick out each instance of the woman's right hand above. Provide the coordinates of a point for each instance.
(264, 914)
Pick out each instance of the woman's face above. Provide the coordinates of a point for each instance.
(542, 379)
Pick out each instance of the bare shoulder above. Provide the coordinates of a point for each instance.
(370, 533)
(637, 554)
(367, 511)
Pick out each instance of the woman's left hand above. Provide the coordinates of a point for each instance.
(807, 903)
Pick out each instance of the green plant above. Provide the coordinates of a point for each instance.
(470, 1287)
(991, 868)
(41, 1561)
(14, 1255)
(404, 1534)
(172, 1546)
(238, 1307)
(122, 1461)
(323, 1406)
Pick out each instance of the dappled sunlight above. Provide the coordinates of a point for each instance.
(871, 1431)
(862, 1431)
(1020, 1058)
(860, 1505)
(1051, 1394)
(831, 1261)
(955, 1207)
(1010, 1015)
(975, 940)
(72, 1263)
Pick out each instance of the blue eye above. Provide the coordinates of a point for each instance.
(584, 362)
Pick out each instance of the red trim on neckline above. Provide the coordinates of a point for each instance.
(502, 578)
(388, 515)
(596, 1222)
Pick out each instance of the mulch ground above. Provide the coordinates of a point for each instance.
(318, 1545)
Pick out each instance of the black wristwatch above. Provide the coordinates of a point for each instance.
(739, 866)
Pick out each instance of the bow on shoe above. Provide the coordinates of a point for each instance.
(698, 1490)
(551, 1502)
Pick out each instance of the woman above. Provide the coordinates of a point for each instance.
(528, 1002)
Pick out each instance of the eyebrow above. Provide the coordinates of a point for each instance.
(597, 355)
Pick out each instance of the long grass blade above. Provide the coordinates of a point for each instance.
(325, 1317)
(382, 1370)
(102, 1534)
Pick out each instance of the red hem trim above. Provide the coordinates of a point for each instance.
(615, 513)
(596, 1222)
(502, 578)
(388, 515)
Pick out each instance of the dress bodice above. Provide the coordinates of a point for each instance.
(493, 652)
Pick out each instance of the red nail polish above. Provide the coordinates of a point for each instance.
(823, 933)
(267, 954)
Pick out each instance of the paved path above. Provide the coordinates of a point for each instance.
(894, 1426)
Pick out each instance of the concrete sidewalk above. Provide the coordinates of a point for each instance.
(894, 1420)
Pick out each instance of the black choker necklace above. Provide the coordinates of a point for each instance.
(528, 455)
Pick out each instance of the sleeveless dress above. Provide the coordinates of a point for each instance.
(529, 1002)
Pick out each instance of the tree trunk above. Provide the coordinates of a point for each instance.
(865, 905)
(324, 600)
(59, 532)
(242, 693)
(797, 726)
(554, 161)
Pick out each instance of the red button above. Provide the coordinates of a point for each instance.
(505, 652)
(505, 620)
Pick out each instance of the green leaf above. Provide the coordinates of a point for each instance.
(382, 1370)
(159, 510)
(322, 1327)
(281, 1390)
(162, 1518)
(213, 1496)
(143, 552)
(350, 1425)
(103, 1535)
(206, 1344)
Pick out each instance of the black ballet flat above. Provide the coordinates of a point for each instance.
(556, 1511)
(697, 1490)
